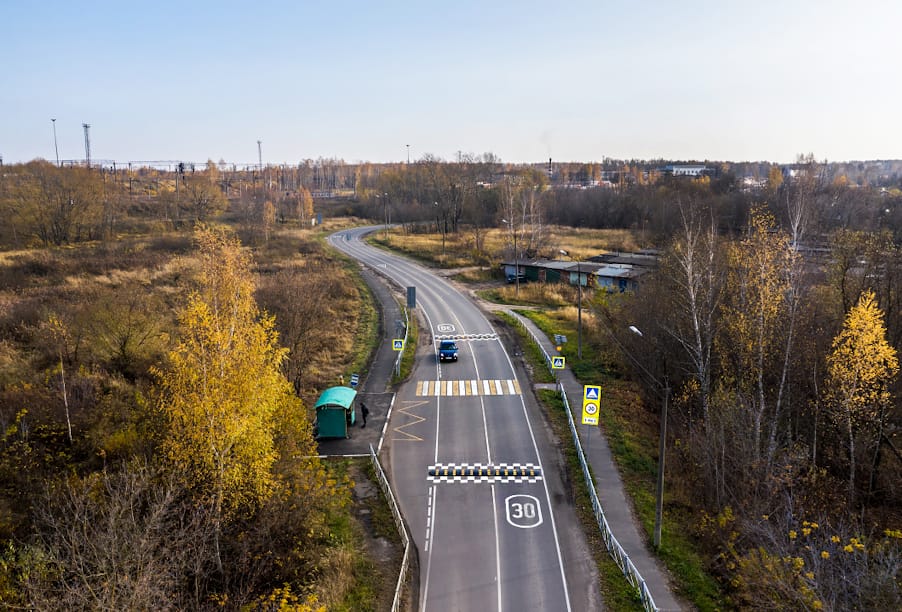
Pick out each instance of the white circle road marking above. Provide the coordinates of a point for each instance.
(523, 511)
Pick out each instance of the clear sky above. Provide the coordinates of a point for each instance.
(361, 80)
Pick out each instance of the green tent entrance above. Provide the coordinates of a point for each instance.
(335, 412)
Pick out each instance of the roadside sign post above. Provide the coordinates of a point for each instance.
(354, 380)
(591, 409)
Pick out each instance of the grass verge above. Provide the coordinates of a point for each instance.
(632, 433)
(617, 593)
(353, 577)
(410, 350)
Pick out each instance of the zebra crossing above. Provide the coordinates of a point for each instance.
(436, 388)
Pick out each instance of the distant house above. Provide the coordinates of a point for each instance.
(684, 170)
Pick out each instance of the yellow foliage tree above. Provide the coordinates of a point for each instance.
(860, 369)
(774, 178)
(304, 205)
(759, 324)
(223, 388)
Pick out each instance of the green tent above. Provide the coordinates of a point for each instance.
(335, 412)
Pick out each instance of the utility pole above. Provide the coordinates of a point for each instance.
(87, 127)
(55, 148)
(408, 155)
(579, 310)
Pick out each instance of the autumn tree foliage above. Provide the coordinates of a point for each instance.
(203, 197)
(861, 366)
(222, 386)
(55, 205)
(759, 318)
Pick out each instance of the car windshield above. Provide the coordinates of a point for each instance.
(447, 345)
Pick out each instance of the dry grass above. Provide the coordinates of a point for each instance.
(584, 243)
(337, 576)
(549, 295)
(460, 249)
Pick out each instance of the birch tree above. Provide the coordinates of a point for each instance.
(222, 387)
(759, 319)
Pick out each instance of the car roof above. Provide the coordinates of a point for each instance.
(447, 342)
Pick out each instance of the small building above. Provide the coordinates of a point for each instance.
(335, 413)
(620, 273)
(693, 170)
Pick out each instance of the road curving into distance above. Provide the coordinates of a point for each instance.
(476, 474)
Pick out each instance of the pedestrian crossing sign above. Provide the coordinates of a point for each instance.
(591, 404)
(398, 344)
(557, 363)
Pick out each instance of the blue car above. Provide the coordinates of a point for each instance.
(447, 350)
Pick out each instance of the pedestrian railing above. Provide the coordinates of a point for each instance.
(399, 523)
(621, 558)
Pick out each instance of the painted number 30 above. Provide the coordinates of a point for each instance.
(523, 511)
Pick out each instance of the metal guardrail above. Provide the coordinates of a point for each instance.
(399, 523)
(614, 548)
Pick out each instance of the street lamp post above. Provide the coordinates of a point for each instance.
(662, 448)
(579, 305)
(510, 224)
(579, 311)
(385, 210)
(378, 198)
(55, 147)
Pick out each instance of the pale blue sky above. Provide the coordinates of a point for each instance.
(358, 80)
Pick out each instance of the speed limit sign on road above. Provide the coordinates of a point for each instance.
(591, 402)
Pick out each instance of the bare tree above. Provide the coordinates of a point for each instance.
(121, 541)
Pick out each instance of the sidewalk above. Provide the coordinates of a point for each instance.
(609, 486)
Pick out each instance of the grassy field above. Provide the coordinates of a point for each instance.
(460, 250)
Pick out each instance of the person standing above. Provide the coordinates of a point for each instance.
(364, 411)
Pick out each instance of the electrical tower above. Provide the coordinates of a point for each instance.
(87, 127)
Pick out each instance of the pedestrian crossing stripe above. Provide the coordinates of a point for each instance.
(444, 388)
(490, 474)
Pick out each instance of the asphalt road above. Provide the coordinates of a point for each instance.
(473, 466)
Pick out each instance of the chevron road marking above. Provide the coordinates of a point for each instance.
(405, 409)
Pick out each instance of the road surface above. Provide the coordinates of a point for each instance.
(468, 458)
